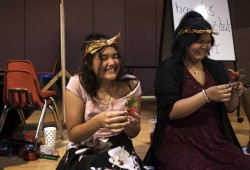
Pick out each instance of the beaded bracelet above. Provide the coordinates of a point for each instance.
(205, 95)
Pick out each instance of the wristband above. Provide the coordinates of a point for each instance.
(205, 95)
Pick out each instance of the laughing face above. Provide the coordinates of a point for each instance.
(197, 51)
(107, 66)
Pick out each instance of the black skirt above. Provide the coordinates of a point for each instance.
(120, 154)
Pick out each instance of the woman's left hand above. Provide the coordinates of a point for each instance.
(134, 118)
(133, 128)
(237, 88)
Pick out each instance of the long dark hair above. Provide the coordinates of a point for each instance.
(191, 20)
(88, 79)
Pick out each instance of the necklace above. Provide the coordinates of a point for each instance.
(195, 72)
(105, 103)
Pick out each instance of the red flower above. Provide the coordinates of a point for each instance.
(235, 75)
(131, 105)
(132, 110)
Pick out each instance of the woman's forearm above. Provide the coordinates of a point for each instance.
(83, 131)
(233, 103)
(187, 106)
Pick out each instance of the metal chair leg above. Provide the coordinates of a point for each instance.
(3, 117)
(57, 117)
(22, 118)
(40, 124)
(55, 105)
(58, 123)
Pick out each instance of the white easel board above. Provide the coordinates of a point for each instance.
(216, 12)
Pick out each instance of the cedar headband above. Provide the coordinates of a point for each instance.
(98, 44)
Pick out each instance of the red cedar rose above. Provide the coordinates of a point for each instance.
(236, 75)
(132, 110)
(131, 105)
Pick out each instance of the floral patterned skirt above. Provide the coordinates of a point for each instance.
(117, 153)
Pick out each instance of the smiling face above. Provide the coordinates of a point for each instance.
(107, 66)
(197, 51)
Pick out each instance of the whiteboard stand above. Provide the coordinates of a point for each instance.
(63, 52)
(54, 80)
(239, 119)
(63, 73)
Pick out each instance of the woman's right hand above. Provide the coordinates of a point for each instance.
(220, 93)
(115, 121)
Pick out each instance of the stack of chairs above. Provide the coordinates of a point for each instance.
(22, 91)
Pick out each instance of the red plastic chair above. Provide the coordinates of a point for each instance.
(48, 95)
(21, 93)
(28, 65)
